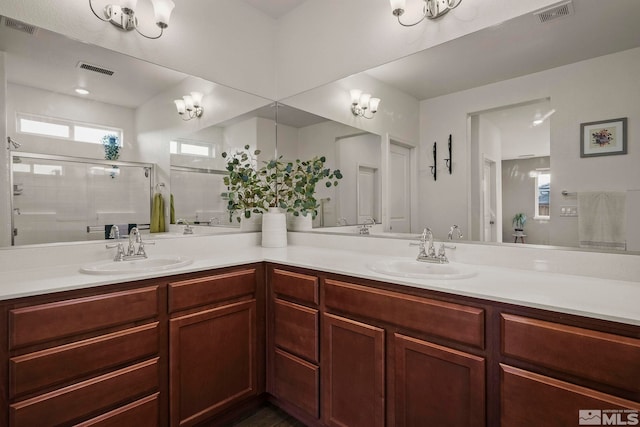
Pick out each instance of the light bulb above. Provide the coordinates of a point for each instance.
(397, 7)
(364, 100)
(373, 104)
(162, 10)
(355, 96)
(180, 106)
(197, 99)
(128, 5)
(188, 102)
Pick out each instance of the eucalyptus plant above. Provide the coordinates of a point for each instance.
(290, 186)
(304, 176)
(244, 187)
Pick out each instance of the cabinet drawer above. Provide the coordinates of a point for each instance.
(297, 381)
(296, 329)
(211, 289)
(76, 401)
(141, 413)
(446, 320)
(529, 399)
(34, 371)
(605, 358)
(297, 286)
(40, 323)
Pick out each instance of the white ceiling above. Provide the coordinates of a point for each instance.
(274, 8)
(515, 48)
(49, 61)
(518, 135)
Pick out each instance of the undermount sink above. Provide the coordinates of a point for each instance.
(143, 265)
(410, 268)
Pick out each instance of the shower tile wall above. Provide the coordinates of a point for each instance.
(55, 201)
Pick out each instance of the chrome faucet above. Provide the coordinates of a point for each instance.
(132, 252)
(454, 229)
(342, 221)
(366, 225)
(114, 233)
(187, 226)
(428, 253)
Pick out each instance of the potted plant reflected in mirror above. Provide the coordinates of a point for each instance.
(301, 194)
(111, 144)
(244, 190)
(519, 220)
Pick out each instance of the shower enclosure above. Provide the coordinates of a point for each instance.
(63, 198)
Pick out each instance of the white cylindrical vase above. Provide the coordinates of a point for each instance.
(299, 223)
(274, 229)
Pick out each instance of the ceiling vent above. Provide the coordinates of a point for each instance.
(20, 26)
(559, 10)
(95, 68)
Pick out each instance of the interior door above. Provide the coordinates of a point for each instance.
(399, 188)
(367, 194)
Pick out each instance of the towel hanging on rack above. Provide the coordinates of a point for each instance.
(157, 214)
(602, 220)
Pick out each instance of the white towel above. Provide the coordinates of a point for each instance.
(602, 220)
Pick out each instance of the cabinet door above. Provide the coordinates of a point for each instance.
(352, 363)
(436, 385)
(529, 399)
(212, 361)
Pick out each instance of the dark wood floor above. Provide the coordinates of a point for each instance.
(268, 416)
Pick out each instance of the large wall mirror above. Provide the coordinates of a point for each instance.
(515, 99)
(63, 95)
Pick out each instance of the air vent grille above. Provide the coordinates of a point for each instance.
(555, 12)
(20, 26)
(95, 68)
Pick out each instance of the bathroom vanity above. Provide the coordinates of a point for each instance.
(316, 333)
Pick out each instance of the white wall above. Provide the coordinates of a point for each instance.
(24, 99)
(597, 89)
(397, 115)
(225, 41)
(324, 40)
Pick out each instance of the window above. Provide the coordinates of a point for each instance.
(64, 129)
(192, 148)
(543, 181)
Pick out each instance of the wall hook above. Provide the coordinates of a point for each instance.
(449, 161)
(434, 170)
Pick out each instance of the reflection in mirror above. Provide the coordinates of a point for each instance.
(63, 96)
(357, 154)
(516, 92)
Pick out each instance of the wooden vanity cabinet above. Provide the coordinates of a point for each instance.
(91, 360)
(372, 337)
(551, 371)
(216, 350)
(293, 372)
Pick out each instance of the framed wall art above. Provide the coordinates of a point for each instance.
(604, 138)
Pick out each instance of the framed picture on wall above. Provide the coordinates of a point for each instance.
(604, 138)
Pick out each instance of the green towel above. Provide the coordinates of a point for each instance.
(172, 210)
(157, 214)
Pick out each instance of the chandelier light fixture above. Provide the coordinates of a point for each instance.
(190, 106)
(124, 17)
(363, 103)
(431, 9)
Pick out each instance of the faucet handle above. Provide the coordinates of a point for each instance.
(442, 256)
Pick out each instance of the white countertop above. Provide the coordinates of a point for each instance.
(602, 298)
